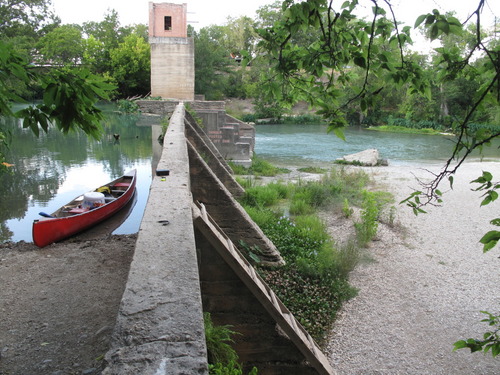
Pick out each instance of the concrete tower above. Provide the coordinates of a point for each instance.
(172, 52)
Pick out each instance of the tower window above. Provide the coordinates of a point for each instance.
(168, 23)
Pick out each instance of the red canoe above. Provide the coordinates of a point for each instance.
(85, 211)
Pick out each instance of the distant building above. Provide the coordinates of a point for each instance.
(172, 52)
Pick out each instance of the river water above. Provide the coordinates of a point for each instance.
(51, 170)
(311, 145)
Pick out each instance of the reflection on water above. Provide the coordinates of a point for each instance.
(51, 170)
(311, 145)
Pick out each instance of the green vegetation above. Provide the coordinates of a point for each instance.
(305, 119)
(128, 106)
(491, 338)
(259, 167)
(490, 341)
(314, 282)
(317, 170)
(366, 229)
(222, 358)
(402, 129)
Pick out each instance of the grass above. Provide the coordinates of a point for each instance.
(403, 129)
(314, 282)
(259, 167)
(317, 170)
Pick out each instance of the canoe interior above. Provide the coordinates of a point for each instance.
(115, 190)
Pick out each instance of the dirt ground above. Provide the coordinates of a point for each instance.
(59, 304)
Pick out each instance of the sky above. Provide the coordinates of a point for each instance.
(203, 13)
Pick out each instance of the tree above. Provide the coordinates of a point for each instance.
(69, 97)
(22, 16)
(102, 37)
(131, 66)
(240, 36)
(212, 62)
(63, 45)
(320, 71)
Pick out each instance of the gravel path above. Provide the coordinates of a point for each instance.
(425, 286)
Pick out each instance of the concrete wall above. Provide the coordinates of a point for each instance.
(261, 342)
(172, 68)
(160, 327)
(234, 139)
(187, 262)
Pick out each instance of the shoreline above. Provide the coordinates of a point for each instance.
(424, 287)
(418, 294)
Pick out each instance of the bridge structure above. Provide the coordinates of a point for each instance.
(188, 261)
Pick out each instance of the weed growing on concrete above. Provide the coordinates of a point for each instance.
(246, 182)
(218, 339)
(222, 358)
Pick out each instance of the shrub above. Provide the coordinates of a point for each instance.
(366, 229)
(231, 368)
(314, 282)
(128, 106)
(299, 206)
(317, 170)
(249, 117)
(260, 196)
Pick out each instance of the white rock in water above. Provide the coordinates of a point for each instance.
(368, 157)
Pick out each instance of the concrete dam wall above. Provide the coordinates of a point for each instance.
(187, 262)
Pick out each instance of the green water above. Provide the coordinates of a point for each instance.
(303, 145)
(51, 170)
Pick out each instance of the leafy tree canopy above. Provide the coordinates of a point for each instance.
(63, 45)
(320, 68)
(25, 15)
(69, 96)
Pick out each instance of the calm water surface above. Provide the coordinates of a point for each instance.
(303, 145)
(52, 170)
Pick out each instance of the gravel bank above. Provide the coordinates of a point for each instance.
(425, 286)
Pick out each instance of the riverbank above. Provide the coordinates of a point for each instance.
(424, 286)
(59, 304)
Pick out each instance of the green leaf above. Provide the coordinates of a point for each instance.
(443, 26)
(495, 222)
(489, 240)
(486, 177)
(495, 350)
(360, 61)
(430, 19)
(363, 104)
(434, 32)
(461, 344)
(420, 19)
(339, 132)
(450, 179)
